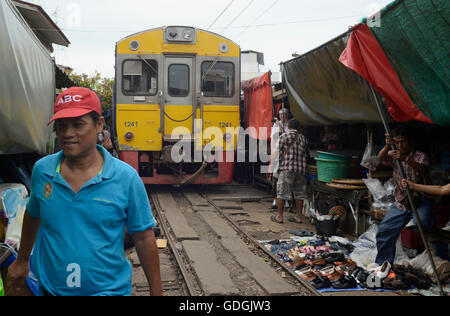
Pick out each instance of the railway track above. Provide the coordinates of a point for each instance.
(213, 254)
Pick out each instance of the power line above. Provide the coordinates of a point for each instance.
(220, 15)
(240, 13)
(261, 15)
(232, 27)
(296, 22)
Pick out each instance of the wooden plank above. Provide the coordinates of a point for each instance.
(174, 215)
(215, 278)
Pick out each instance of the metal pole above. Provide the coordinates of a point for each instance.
(408, 191)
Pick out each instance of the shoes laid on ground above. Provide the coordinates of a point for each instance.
(412, 277)
(301, 233)
(383, 271)
(320, 282)
(307, 274)
(361, 276)
(395, 284)
(333, 257)
(346, 268)
(316, 261)
(345, 283)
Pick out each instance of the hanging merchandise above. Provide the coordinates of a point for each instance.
(370, 158)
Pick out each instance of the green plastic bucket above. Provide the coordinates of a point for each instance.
(327, 169)
(332, 156)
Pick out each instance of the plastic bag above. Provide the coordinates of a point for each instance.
(365, 251)
(376, 189)
(383, 195)
(370, 157)
(2, 290)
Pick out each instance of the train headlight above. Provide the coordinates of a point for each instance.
(129, 136)
(180, 34)
(134, 45)
(188, 34)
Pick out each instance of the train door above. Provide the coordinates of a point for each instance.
(179, 96)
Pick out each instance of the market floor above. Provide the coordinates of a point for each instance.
(253, 216)
(250, 208)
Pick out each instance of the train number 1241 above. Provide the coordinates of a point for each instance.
(131, 124)
(225, 124)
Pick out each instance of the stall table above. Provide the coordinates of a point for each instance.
(352, 197)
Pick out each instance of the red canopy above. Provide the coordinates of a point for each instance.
(258, 106)
(366, 57)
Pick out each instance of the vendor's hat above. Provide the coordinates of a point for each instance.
(76, 102)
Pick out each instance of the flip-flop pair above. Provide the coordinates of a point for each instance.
(273, 218)
(302, 233)
(293, 220)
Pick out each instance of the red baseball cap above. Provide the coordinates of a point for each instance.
(76, 102)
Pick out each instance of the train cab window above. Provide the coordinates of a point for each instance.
(140, 77)
(178, 80)
(218, 79)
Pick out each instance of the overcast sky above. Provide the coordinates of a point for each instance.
(277, 28)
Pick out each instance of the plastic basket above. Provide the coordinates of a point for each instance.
(327, 170)
(326, 228)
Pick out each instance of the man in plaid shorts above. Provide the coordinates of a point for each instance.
(294, 154)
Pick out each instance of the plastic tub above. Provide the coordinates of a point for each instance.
(332, 156)
(326, 227)
(327, 170)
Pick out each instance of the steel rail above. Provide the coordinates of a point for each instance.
(172, 243)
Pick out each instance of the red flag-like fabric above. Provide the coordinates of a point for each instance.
(366, 57)
(258, 106)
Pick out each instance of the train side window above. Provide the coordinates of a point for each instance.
(140, 77)
(178, 80)
(218, 79)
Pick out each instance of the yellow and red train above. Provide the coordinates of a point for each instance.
(177, 83)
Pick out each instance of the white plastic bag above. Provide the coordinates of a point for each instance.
(370, 157)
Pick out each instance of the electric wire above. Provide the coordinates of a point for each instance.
(220, 15)
(260, 16)
(231, 27)
(240, 13)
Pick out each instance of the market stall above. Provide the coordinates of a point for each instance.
(395, 67)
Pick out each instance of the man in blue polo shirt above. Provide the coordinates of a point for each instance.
(82, 199)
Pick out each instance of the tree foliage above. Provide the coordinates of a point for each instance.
(102, 86)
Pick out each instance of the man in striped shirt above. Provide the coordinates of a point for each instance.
(294, 154)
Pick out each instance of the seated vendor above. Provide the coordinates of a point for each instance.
(329, 138)
(415, 164)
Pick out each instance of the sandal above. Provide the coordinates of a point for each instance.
(320, 283)
(394, 284)
(334, 256)
(307, 274)
(335, 275)
(316, 243)
(273, 218)
(293, 220)
(345, 283)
